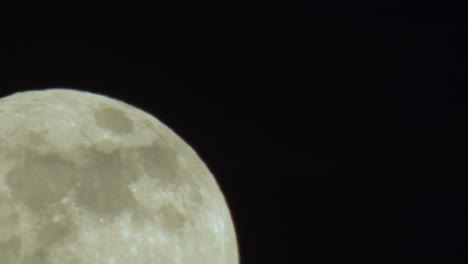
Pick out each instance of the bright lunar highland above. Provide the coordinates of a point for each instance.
(87, 179)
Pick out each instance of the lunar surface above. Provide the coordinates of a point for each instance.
(86, 179)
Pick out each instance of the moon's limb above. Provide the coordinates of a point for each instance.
(88, 179)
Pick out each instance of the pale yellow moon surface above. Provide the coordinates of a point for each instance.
(87, 179)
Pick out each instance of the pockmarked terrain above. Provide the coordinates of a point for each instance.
(87, 179)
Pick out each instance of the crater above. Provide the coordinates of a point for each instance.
(9, 219)
(160, 162)
(8, 226)
(9, 250)
(114, 120)
(171, 219)
(53, 233)
(36, 138)
(38, 257)
(40, 180)
(104, 184)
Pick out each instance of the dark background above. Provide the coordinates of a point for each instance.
(336, 130)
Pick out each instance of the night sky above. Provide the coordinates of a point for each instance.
(337, 131)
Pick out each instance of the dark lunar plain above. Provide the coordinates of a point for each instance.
(336, 130)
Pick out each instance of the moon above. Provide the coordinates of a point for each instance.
(88, 179)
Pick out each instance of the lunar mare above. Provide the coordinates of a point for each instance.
(87, 179)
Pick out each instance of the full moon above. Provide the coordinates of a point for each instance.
(87, 179)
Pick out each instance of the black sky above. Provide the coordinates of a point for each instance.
(336, 130)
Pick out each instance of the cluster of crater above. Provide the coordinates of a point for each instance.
(40, 182)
